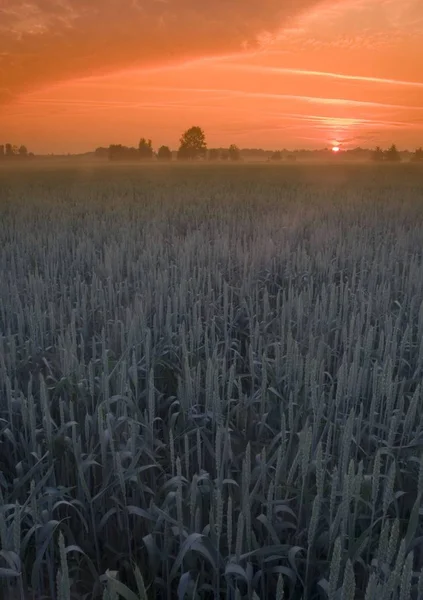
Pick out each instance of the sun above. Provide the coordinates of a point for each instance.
(335, 149)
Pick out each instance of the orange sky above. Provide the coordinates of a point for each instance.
(77, 74)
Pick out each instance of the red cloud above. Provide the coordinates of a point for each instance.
(45, 41)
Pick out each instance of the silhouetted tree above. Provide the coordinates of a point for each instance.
(392, 155)
(234, 152)
(378, 154)
(192, 144)
(101, 152)
(276, 155)
(119, 152)
(214, 154)
(418, 155)
(224, 155)
(164, 153)
(115, 150)
(145, 149)
(15, 152)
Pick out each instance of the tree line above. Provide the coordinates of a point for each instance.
(12, 151)
(392, 154)
(192, 145)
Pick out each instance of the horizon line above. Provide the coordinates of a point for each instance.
(241, 149)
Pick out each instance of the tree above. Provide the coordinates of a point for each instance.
(101, 152)
(23, 151)
(224, 155)
(115, 151)
(378, 154)
(214, 154)
(119, 152)
(418, 155)
(392, 155)
(9, 150)
(192, 144)
(164, 153)
(234, 152)
(276, 155)
(1, 151)
(145, 148)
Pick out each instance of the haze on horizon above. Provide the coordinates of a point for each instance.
(76, 74)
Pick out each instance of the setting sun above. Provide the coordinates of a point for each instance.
(259, 75)
(335, 149)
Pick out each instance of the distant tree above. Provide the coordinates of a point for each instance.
(1, 151)
(164, 153)
(392, 154)
(119, 152)
(234, 152)
(9, 150)
(101, 152)
(276, 155)
(114, 151)
(418, 155)
(145, 148)
(192, 144)
(23, 151)
(291, 157)
(378, 154)
(214, 154)
(224, 155)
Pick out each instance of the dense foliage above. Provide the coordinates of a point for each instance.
(210, 382)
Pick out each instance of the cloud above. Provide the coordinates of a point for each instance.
(46, 41)
(222, 93)
(325, 74)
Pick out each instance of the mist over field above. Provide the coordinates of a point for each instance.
(211, 381)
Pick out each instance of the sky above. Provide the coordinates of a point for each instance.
(78, 74)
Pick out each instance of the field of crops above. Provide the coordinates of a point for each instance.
(211, 382)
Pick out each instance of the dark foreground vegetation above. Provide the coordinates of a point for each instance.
(211, 382)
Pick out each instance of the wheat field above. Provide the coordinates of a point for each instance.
(211, 382)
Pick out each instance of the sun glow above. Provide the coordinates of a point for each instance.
(335, 149)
